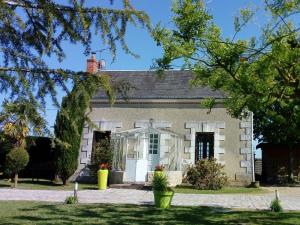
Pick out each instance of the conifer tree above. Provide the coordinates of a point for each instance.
(31, 30)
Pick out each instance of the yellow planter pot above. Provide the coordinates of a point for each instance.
(102, 179)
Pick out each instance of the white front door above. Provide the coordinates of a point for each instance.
(153, 151)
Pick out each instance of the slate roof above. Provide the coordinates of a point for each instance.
(148, 85)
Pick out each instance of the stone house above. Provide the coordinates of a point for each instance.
(164, 123)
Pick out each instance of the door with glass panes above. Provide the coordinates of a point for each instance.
(204, 146)
(153, 151)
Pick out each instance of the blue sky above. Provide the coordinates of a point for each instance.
(140, 42)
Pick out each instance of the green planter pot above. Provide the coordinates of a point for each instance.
(102, 179)
(163, 199)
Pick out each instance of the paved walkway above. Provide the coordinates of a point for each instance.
(290, 198)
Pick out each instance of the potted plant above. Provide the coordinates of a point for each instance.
(102, 176)
(162, 193)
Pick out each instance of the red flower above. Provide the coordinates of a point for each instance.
(103, 166)
(159, 168)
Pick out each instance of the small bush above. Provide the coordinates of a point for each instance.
(207, 174)
(102, 154)
(71, 200)
(276, 206)
(160, 182)
(16, 160)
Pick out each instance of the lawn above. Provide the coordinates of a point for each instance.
(46, 185)
(46, 213)
(225, 190)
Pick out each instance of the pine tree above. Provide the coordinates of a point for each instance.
(32, 29)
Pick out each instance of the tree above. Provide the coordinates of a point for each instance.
(31, 30)
(71, 118)
(260, 74)
(16, 160)
(17, 119)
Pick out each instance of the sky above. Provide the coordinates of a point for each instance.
(140, 42)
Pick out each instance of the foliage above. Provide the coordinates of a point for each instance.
(5, 147)
(70, 121)
(259, 74)
(102, 154)
(17, 119)
(207, 174)
(276, 206)
(160, 182)
(71, 200)
(16, 160)
(32, 30)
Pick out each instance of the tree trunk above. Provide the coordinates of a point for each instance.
(64, 181)
(16, 180)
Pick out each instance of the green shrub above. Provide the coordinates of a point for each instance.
(207, 174)
(276, 206)
(16, 160)
(102, 154)
(71, 200)
(160, 182)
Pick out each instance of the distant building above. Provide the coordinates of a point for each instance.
(275, 162)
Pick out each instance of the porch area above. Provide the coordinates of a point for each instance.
(138, 151)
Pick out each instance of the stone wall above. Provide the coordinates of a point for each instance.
(174, 177)
(232, 136)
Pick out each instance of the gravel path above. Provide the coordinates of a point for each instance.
(290, 198)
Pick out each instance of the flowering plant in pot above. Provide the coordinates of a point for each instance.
(162, 193)
(102, 176)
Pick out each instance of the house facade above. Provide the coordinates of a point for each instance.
(163, 122)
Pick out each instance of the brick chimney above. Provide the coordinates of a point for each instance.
(92, 65)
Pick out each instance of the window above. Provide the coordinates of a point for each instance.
(153, 143)
(204, 146)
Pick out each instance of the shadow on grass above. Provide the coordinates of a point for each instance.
(88, 188)
(8, 185)
(41, 182)
(42, 213)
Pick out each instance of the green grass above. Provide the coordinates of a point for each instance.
(46, 213)
(225, 190)
(46, 185)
